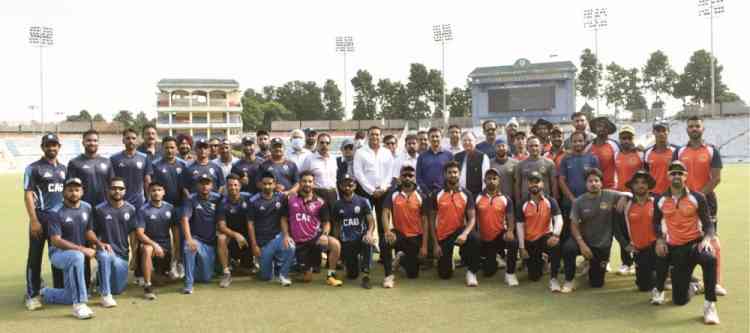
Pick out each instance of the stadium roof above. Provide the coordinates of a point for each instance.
(198, 83)
(524, 67)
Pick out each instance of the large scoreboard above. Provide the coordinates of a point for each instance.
(522, 98)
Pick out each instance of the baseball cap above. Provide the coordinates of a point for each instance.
(660, 124)
(277, 142)
(676, 166)
(309, 131)
(556, 128)
(347, 178)
(627, 129)
(202, 142)
(205, 177)
(500, 141)
(495, 170)
(50, 138)
(73, 181)
(248, 141)
(347, 142)
(534, 175)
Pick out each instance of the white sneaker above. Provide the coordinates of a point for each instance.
(511, 280)
(623, 270)
(720, 291)
(710, 315)
(568, 287)
(397, 259)
(584, 268)
(173, 274)
(501, 262)
(33, 303)
(631, 270)
(180, 271)
(388, 282)
(668, 284)
(285, 281)
(554, 285)
(82, 311)
(609, 268)
(695, 288)
(657, 297)
(140, 281)
(471, 279)
(226, 280)
(108, 301)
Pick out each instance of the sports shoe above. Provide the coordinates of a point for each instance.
(285, 281)
(583, 268)
(720, 291)
(631, 270)
(471, 279)
(82, 311)
(623, 270)
(388, 282)
(148, 293)
(332, 281)
(226, 280)
(568, 287)
(695, 288)
(365, 282)
(140, 281)
(173, 274)
(397, 259)
(180, 271)
(33, 303)
(609, 268)
(710, 315)
(554, 285)
(307, 276)
(501, 262)
(108, 301)
(511, 280)
(657, 297)
(186, 291)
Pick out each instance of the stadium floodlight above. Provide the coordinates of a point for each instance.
(710, 9)
(443, 33)
(41, 37)
(595, 19)
(344, 45)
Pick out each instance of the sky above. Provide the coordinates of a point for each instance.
(108, 55)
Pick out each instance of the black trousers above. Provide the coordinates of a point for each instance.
(469, 253)
(410, 260)
(34, 260)
(645, 268)
(683, 259)
(597, 264)
(488, 251)
(357, 257)
(535, 264)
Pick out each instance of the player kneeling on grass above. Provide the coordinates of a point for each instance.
(264, 225)
(154, 222)
(198, 220)
(452, 212)
(68, 224)
(539, 225)
(114, 221)
(496, 227)
(638, 216)
(353, 215)
(679, 215)
(405, 224)
(307, 225)
(232, 220)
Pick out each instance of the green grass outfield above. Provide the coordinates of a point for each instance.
(425, 304)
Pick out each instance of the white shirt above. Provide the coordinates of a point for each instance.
(404, 159)
(297, 156)
(323, 168)
(454, 150)
(485, 167)
(226, 168)
(373, 169)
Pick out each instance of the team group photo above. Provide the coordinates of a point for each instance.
(532, 187)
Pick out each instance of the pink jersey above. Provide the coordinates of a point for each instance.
(306, 217)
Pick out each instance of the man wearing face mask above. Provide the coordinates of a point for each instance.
(345, 162)
(297, 152)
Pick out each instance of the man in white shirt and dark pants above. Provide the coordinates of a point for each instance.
(408, 156)
(297, 153)
(323, 167)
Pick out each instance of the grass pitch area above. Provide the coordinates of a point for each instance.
(425, 304)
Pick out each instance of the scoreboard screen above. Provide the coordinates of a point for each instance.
(520, 99)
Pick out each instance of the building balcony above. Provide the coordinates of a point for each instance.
(196, 108)
(197, 125)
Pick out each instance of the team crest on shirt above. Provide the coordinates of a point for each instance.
(702, 158)
(68, 219)
(232, 211)
(86, 166)
(262, 208)
(164, 170)
(47, 175)
(85, 216)
(542, 169)
(179, 170)
(139, 164)
(286, 167)
(341, 212)
(195, 172)
(153, 217)
(126, 216)
(356, 209)
(211, 171)
(168, 214)
(62, 174)
(278, 205)
(103, 166)
(244, 205)
(604, 205)
(270, 168)
(198, 206)
(122, 165)
(212, 205)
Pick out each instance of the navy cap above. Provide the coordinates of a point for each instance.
(347, 142)
(277, 141)
(205, 177)
(202, 142)
(73, 181)
(248, 141)
(347, 178)
(50, 138)
(534, 175)
(495, 170)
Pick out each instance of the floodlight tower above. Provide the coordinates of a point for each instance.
(595, 19)
(41, 37)
(442, 33)
(344, 45)
(711, 8)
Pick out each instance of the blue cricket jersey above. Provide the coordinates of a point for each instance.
(351, 217)
(170, 175)
(265, 214)
(156, 222)
(201, 215)
(113, 225)
(94, 174)
(133, 169)
(46, 181)
(69, 223)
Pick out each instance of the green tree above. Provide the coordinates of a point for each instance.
(332, 101)
(419, 90)
(252, 118)
(459, 102)
(695, 81)
(616, 89)
(141, 120)
(301, 98)
(435, 91)
(83, 115)
(364, 97)
(125, 118)
(659, 77)
(589, 79)
(273, 111)
(393, 99)
(98, 117)
(634, 99)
